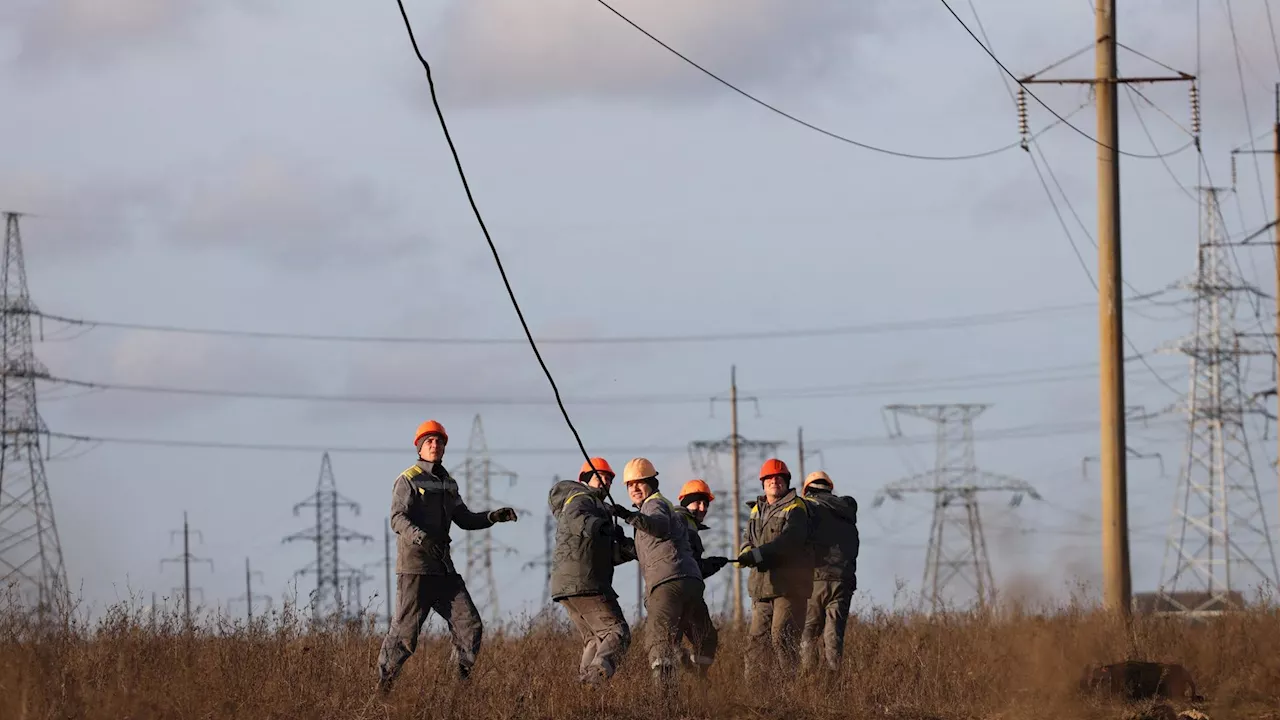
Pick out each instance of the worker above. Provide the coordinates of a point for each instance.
(589, 544)
(424, 501)
(778, 551)
(673, 584)
(835, 541)
(695, 499)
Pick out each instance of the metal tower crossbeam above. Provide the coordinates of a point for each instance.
(957, 544)
(1219, 540)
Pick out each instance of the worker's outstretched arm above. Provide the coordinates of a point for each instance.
(467, 520)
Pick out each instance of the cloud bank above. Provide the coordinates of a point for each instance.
(515, 51)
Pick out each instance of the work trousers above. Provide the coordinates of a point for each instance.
(702, 634)
(825, 621)
(605, 634)
(418, 595)
(668, 606)
(775, 626)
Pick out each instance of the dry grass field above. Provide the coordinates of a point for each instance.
(1014, 664)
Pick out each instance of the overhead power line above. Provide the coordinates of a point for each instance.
(1008, 378)
(462, 175)
(1020, 432)
(888, 326)
(816, 128)
(1045, 105)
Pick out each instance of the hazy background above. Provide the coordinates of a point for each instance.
(276, 165)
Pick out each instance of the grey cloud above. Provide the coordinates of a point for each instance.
(285, 210)
(291, 211)
(141, 358)
(88, 33)
(510, 51)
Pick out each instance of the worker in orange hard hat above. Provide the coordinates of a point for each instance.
(589, 544)
(695, 499)
(673, 583)
(424, 503)
(835, 543)
(778, 552)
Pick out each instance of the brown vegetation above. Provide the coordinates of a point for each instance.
(1010, 665)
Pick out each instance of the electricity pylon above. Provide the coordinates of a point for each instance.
(249, 595)
(959, 555)
(327, 567)
(30, 551)
(186, 558)
(1219, 535)
(478, 472)
(704, 458)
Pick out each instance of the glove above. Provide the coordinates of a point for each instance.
(505, 514)
(749, 557)
(714, 563)
(625, 514)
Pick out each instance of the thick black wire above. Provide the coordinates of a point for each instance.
(793, 118)
(1023, 85)
(462, 175)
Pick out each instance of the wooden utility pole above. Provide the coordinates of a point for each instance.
(737, 495)
(1117, 586)
(800, 448)
(1115, 519)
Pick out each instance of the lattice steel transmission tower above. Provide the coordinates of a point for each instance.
(478, 473)
(704, 458)
(1219, 536)
(329, 570)
(957, 546)
(30, 551)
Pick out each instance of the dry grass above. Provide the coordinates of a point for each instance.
(1016, 664)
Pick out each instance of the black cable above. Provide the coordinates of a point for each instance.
(462, 175)
(1006, 378)
(805, 123)
(865, 328)
(1016, 432)
(1089, 274)
(1023, 85)
(1142, 122)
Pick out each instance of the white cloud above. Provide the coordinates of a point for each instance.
(505, 51)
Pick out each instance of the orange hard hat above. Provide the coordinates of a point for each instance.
(774, 466)
(820, 477)
(600, 465)
(695, 487)
(430, 427)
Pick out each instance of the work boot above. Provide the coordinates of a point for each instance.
(594, 676)
(664, 676)
(384, 685)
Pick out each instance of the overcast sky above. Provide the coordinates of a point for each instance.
(276, 165)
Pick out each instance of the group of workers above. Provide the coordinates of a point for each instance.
(801, 548)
